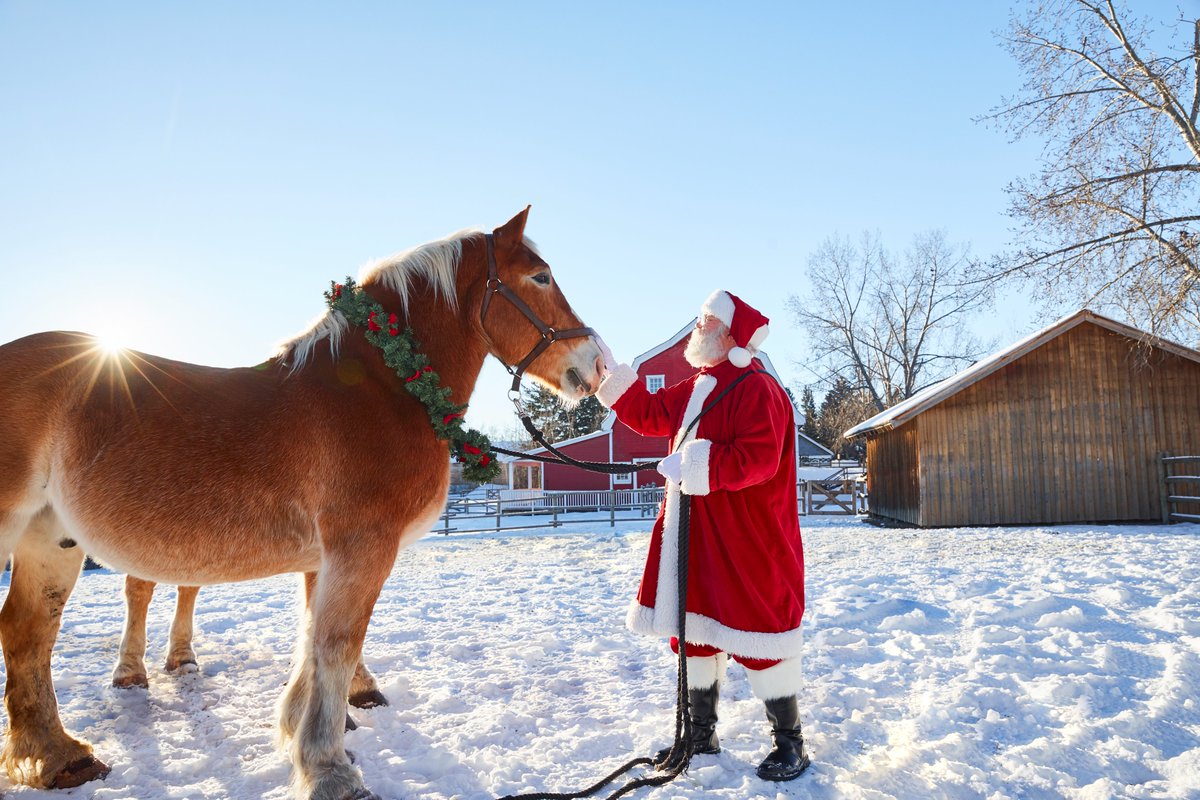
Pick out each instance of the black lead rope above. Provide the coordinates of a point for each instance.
(680, 755)
(603, 466)
(676, 762)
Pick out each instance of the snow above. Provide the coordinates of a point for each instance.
(966, 663)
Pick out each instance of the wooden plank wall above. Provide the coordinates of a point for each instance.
(1068, 433)
(894, 477)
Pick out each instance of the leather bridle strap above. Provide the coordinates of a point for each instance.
(549, 335)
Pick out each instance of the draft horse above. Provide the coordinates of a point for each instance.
(317, 460)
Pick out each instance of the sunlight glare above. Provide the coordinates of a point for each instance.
(110, 342)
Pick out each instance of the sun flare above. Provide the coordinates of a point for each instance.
(110, 342)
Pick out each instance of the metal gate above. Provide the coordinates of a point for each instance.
(1180, 488)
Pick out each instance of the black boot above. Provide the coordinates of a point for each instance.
(702, 706)
(788, 759)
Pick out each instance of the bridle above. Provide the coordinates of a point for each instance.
(549, 335)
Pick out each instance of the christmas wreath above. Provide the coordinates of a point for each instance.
(402, 352)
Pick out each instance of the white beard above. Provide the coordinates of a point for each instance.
(705, 351)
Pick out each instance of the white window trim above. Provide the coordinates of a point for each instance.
(662, 382)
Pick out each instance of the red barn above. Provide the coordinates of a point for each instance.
(661, 366)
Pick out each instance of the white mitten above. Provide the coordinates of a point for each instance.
(669, 467)
(610, 363)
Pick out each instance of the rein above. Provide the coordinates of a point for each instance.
(402, 352)
(604, 466)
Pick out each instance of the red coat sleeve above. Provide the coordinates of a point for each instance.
(651, 414)
(646, 413)
(747, 455)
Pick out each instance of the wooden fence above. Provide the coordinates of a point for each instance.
(1180, 480)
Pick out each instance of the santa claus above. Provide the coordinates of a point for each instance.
(745, 586)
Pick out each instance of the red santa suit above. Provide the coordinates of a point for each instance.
(745, 590)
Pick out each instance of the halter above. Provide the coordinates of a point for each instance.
(549, 335)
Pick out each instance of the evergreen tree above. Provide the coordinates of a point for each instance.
(808, 407)
(558, 421)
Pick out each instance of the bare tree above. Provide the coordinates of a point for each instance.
(889, 327)
(1112, 219)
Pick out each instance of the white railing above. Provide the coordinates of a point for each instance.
(815, 497)
(628, 503)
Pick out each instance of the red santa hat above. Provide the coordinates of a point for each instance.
(746, 324)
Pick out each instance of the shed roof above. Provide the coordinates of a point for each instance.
(931, 396)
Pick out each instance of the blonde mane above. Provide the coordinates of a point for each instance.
(434, 263)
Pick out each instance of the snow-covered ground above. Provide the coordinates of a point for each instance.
(968, 663)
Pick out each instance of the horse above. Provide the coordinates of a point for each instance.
(317, 460)
(130, 669)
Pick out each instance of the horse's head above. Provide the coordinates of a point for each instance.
(527, 321)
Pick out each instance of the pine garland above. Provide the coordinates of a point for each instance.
(402, 352)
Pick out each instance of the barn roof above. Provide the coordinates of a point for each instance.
(813, 447)
(931, 396)
(565, 442)
(682, 333)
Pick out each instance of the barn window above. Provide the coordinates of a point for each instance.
(655, 382)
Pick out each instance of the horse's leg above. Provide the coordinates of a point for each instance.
(37, 751)
(313, 709)
(180, 652)
(364, 690)
(131, 662)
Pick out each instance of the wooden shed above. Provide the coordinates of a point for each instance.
(1066, 425)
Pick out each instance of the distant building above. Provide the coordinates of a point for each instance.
(1064, 426)
(661, 366)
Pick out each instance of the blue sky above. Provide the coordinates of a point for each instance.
(191, 176)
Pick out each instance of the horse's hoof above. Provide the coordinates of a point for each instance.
(130, 681)
(369, 699)
(175, 666)
(363, 794)
(351, 725)
(77, 773)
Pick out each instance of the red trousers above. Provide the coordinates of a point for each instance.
(706, 651)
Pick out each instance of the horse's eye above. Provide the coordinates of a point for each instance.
(543, 278)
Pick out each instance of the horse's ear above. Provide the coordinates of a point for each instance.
(512, 232)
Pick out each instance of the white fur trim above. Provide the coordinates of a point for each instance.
(666, 604)
(739, 357)
(720, 305)
(693, 469)
(701, 389)
(782, 680)
(705, 630)
(616, 384)
(758, 338)
(704, 671)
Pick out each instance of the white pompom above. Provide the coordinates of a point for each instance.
(739, 357)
